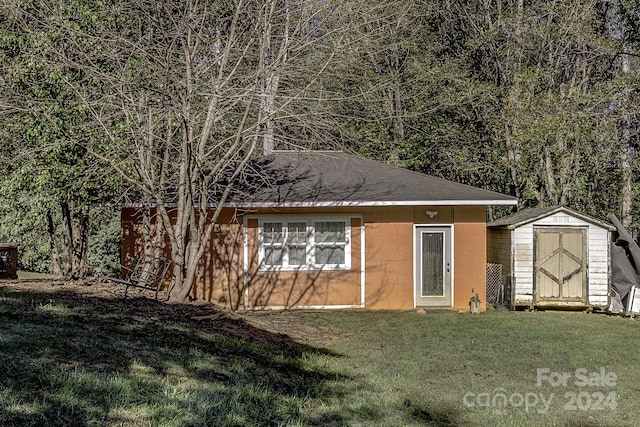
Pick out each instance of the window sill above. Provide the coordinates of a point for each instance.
(307, 268)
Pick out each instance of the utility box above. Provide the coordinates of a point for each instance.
(8, 261)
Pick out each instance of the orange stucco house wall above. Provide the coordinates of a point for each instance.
(229, 274)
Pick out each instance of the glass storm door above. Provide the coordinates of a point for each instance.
(433, 267)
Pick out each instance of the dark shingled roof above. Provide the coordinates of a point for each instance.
(332, 178)
(528, 215)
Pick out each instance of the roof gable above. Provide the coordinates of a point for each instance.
(333, 178)
(529, 215)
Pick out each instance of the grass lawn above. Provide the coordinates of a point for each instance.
(83, 359)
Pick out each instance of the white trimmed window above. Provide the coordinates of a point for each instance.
(305, 243)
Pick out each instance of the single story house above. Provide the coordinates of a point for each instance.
(327, 229)
(553, 257)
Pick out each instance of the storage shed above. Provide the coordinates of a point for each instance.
(552, 257)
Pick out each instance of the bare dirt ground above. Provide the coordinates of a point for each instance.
(274, 327)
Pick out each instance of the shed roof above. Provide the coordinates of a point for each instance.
(528, 215)
(334, 178)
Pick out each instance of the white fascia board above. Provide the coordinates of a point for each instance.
(304, 307)
(353, 204)
(138, 205)
(379, 203)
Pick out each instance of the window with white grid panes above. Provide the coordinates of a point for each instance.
(305, 243)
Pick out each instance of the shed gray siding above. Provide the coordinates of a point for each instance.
(499, 248)
(522, 274)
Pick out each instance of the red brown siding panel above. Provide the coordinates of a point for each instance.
(389, 236)
(220, 277)
(303, 287)
(470, 255)
(131, 238)
(389, 259)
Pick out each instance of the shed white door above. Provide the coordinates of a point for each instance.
(433, 267)
(560, 264)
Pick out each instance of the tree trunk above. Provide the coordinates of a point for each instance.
(626, 155)
(271, 64)
(67, 234)
(55, 253)
(516, 187)
(75, 228)
(80, 243)
(626, 188)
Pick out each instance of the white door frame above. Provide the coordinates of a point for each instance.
(417, 228)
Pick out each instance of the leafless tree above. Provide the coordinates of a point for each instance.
(186, 93)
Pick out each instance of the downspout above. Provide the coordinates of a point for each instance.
(245, 262)
(362, 263)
